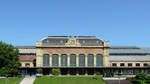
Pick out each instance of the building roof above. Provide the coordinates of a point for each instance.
(139, 50)
(62, 40)
(129, 54)
(27, 58)
(27, 50)
(26, 47)
(124, 47)
(129, 58)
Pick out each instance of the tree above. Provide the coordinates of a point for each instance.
(9, 59)
(55, 71)
(142, 76)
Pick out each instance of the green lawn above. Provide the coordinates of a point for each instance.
(68, 80)
(11, 80)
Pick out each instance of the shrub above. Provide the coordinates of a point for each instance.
(98, 73)
(39, 71)
(19, 76)
(112, 74)
(55, 71)
(108, 73)
(141, 76)
(148, 78)
(130, 78)
(147, 81)
(96, 77)
(136, 81)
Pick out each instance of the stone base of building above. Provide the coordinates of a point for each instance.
(86, 71)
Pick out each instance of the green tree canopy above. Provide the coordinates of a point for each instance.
(9, 62)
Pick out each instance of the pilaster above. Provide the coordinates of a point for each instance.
(68, 60)
(59, 60)
(106, 57)
(86, 60)
(39, 58)
(77, 60)
(50, 59)
(94, 60)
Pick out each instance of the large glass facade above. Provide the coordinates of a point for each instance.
(72, 60)
(81, 60)
(46, 60)
(90, 59)
(63, 60)
(99, 60)
(55, 60)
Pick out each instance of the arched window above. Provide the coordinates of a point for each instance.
(55, 60)
(27, 65)
(90, 59)
(145, 64)
(137, 64)
(63, 60)
(114, 64)
(99, 60)
(129, 64)
(46, 60)
(122, 64)
(81, 60)
(72, 60)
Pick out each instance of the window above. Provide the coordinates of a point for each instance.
(81, 60)
(90, 59)
(27, 65)
(73, 42)
(99, 60)
(145, 64)
(72, 60)
(114, 64)
(61, 41)
(121, 64)
(97, 41)
(63, 60)
(55, 58)
(137, 64)
(46, 60)
(129, 64)
(83, 41)
(47, 41)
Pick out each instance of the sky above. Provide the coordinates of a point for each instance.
(121, 22)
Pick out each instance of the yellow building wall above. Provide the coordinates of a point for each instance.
(104, 50)
(23, 63)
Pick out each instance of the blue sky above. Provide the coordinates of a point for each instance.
(122, 22)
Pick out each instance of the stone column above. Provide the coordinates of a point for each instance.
(68, 73)
(77, 72)
(94, 71)
(86, 73)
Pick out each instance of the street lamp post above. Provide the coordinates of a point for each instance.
(119, 75)
(6, 80)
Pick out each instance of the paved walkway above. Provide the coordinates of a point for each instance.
(28, 80)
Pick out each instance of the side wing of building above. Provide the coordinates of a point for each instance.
(129, 57)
